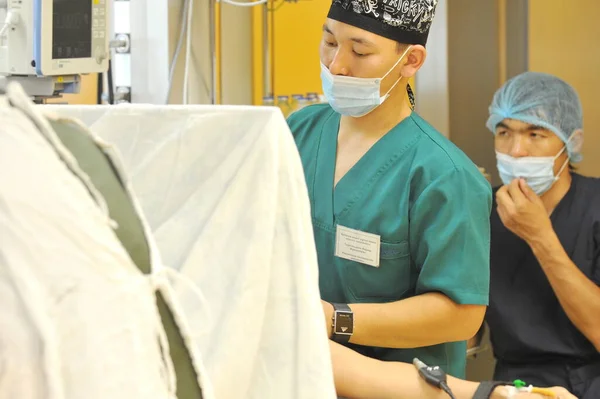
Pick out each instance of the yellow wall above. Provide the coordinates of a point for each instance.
(295, 32)
(563, 40)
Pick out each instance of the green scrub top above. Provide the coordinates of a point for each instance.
(426, 200)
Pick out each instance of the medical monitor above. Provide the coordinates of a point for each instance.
(70, 36)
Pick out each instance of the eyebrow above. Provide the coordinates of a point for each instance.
(354, 39)
(529, 128)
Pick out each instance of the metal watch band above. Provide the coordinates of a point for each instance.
(338, 336)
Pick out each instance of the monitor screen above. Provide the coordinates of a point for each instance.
(72, 29)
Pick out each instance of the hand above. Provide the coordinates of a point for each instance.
(522, 211)
(561, 393)
(328, 311)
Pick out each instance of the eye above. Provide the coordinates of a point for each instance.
(330, 43)
(535, 135)
(501, 133)
(359, 54)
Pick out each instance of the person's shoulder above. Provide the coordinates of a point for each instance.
(588, 190)
(587, 183)
(434, 145)
(440, 157)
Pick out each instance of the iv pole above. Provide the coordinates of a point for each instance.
(214, 15)
(267, 90)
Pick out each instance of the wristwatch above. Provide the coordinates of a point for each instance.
(342, 323)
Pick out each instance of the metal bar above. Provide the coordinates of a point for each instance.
(502, 52)
(266, 52)
(218, 53)
(272, 48)
(212, 37)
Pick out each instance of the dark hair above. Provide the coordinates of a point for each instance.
(400, 47)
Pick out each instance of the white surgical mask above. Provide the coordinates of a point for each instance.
(353, 96)
(538, 172)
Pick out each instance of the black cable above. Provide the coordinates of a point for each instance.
(100, 89)
(447, 389)
(111, 90)
(411, 96)
(434, 376)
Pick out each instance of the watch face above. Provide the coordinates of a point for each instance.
(343, 323)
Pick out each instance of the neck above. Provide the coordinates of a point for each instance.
(382, 119)
(557, 192)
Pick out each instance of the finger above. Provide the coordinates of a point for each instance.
(502, 215)
(500, 191)
(515, 192)
(503, 197)
(505, 205)
(563, 393)
(527, 191)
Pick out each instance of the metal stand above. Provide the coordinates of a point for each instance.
(214, 45)
(268, 90)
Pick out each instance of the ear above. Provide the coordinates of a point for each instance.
(576, 141)
(414, 60)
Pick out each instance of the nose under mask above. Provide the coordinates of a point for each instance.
(352, 96)
(538, 172)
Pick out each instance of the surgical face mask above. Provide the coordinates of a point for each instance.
(352, 96)
(538, 172)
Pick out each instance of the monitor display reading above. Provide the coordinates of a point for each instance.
(72, 29)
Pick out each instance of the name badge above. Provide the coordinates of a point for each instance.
(357, 246)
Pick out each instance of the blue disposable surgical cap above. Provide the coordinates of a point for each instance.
(543, 100)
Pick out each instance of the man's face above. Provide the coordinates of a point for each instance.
(519, 139)
(350, 51)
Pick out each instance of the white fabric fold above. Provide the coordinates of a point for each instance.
(223, 191)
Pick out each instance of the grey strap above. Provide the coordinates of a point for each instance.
(485, 389)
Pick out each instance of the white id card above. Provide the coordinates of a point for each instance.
(357, 246)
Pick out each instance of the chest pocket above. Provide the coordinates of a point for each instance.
(388, 282)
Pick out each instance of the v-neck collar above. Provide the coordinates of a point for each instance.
(332, 203)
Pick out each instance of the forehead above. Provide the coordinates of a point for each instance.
(342, 32)
(520, 126)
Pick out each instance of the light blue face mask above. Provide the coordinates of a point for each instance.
(538, 172)
(353, 96)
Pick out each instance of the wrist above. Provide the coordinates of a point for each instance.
(493, 390)
(501, 392)
(329, 316)
(544, 241)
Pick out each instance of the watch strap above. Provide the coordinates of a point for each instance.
(342, 307)
(486, 388)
